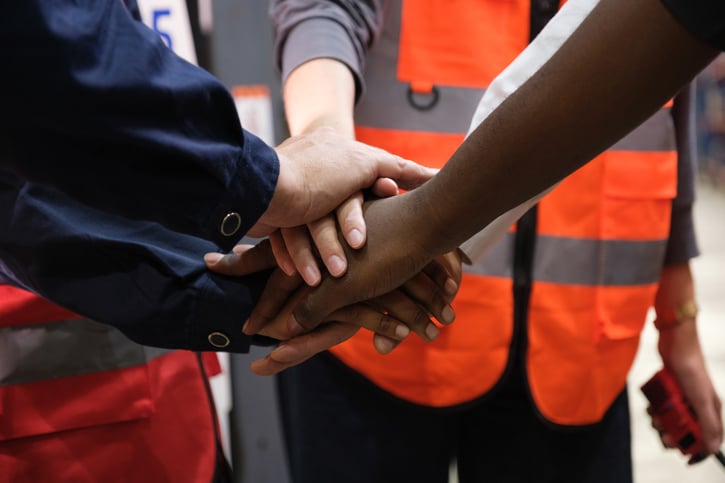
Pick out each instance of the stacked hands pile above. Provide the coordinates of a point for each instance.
(325, 286)
(117, 157)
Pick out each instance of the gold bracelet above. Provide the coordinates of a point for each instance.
(674, 317)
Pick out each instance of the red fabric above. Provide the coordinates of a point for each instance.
(19, 307)
(150, 422)
(76, 402)
(173, 442)
(211, 364)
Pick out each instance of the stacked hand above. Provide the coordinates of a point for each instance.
(320, 170)
(319, 194)
(391, 316)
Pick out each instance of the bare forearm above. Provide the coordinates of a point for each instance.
(621, 65)
(681, 352)
(320, 92)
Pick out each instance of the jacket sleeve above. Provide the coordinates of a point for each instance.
(118, 163)
(682, 242)
(339, 29)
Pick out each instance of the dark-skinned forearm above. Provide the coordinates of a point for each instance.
(625, 61)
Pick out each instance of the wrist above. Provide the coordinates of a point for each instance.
(292, 194)
(425, 220)
(672, 317)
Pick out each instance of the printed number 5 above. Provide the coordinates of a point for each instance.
(157, 16)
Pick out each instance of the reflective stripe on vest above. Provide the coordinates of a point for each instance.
(66, 348)
(598, 262)
(602, 232)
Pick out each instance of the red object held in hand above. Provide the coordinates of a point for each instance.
(677, 420)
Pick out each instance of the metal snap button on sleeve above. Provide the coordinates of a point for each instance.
(218, 339)
(230, 224)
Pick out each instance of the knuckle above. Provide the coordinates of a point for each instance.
(421, 318)
(344, 332)
(305, 315)
(353, 314)
(385, 324)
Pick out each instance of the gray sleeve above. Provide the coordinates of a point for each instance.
(338, 29)
(682, 243)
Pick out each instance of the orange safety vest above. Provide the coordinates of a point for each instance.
(80, 402)
(600, 235)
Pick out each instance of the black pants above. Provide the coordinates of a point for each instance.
(339, 428)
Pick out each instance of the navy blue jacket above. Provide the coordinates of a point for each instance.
(118, 163)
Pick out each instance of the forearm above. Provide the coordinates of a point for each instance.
(342, 30)
(146, 280)
(682, 241)
(676, 288)
(621, 65)
(102, 110)
(508, 81)
(320, 92)
(681, 352)
(119, 163)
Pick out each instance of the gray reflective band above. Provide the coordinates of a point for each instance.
(66, 348)
(451, 115)
(456, 105)
(655, 134)
(498, 262)
(154, 352)
(578, 261)
(385, 104)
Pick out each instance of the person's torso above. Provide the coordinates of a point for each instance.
(580, 278)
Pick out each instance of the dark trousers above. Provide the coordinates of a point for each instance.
(340, 428)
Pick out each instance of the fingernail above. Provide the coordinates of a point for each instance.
(311, 276)
(244, 328)
(383, 345)
(288, 268)
(432, 331)
(450, 287)
(336, 265)
(355, 238)
(293, 326)
(402, 331)
(212, 258)
(447, 314)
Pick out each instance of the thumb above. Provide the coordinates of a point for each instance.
(406, 173)
(243, 260)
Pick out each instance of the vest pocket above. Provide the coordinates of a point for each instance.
(67, 375)
(446, 44)
(638, 190)
(640, 175)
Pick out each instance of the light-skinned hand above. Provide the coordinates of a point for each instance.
(322, 169)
